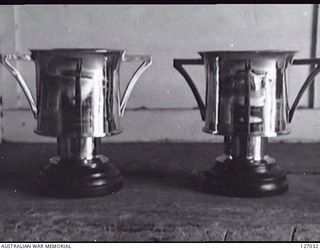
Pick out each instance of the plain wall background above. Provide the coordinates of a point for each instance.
(165, 32)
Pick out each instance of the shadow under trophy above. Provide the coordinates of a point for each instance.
(78, 101)
(246, 102)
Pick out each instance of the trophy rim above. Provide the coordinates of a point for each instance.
(251, 52)
(84, 50)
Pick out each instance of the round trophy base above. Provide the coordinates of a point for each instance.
(245, 178)
(79, 178)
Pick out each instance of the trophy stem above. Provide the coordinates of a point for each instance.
(79, 170)
(245, 170)
(78, 148)
(245, 147)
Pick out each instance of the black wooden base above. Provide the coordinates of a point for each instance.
(245, 178)
(79, 178)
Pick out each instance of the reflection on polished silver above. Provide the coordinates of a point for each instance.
(78, 90)
(78, 148)
(19, 78)
(247, 102)
(78, 100)
(246, 91)
(246, 147)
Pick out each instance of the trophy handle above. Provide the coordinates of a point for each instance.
(25, 57)
(308, 81)
(177, 64)
(146, 62)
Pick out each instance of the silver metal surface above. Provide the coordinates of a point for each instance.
(246, 147)
(78, 90)
(78, 148)
(246, 91)
(20, 79)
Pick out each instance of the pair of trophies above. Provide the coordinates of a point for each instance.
(79, 102)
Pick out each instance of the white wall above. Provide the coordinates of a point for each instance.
(165, 32)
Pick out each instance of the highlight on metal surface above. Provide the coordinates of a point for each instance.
(246, 91)
(78, 90)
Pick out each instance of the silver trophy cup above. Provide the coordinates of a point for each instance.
(246, 102)
(78, 100)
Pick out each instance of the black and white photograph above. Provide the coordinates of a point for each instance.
(159, 123)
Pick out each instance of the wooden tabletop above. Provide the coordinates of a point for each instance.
(158, 201)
